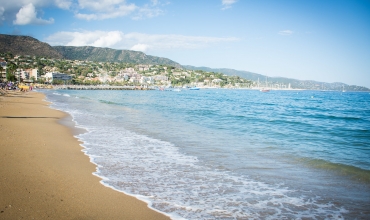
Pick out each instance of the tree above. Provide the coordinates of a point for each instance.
(11, 77)
(10, 70)
(58, 82)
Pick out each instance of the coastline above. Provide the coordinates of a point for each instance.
(45, 173)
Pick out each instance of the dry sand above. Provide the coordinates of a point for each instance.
(44, 174)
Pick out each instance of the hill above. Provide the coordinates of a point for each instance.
(274, 81)
(25, 45)
(98, 54)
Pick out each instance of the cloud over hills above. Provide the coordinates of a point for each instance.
(134, 41)
(28, 15)
(25, 12)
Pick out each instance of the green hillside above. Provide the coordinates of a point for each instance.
(98, 54)
(25, 45)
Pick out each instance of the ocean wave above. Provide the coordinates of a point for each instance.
(353, 172)
(177, 184)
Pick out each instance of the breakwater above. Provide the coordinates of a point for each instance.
(101, 87)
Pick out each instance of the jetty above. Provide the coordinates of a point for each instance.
(100, 87)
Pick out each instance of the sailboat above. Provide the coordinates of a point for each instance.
(263, 89)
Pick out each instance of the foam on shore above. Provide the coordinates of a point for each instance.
(45, 174)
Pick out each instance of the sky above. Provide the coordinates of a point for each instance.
(322, 40)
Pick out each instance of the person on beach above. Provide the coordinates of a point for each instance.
(9, 86)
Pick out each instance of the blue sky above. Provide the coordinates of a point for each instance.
(323, 40)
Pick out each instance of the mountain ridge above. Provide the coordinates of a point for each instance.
(26, 45)
(99, 54)
(294, 83)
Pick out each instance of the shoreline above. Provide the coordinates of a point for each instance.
(45, 172)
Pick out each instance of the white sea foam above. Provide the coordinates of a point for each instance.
(177, 184)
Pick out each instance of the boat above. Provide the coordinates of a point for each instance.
(265, 90)
(176, 90)
(194, 88)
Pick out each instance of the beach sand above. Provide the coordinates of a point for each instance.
(44, 174)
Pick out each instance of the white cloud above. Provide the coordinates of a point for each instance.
(108, 39)
(10, 8)
(154, 2)
(28, 15)
(286, 32)
(147, 12)
(16, 5)
(106, 12)
(227, 4)
(92, 38)
(107, 9)
(83, 9)
(105, 5)
(100, 10)
(63, 4)
(2, 10)
(140, 47)
(133, 41)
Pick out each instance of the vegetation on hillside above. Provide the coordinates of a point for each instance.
(118, 73)
(25, 45)
(98, 54)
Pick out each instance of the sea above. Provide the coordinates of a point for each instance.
(229, 153)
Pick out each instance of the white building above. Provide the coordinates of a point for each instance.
(50, 76)
(146, 80)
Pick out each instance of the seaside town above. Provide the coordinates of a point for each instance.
(42, 72)
(45, 72)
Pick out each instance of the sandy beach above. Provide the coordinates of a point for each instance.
(44, 174)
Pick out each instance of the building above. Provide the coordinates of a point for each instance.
(34, 73)
(3, 63)
(146, 80)
(50, 76)
(28, 75)
(3, 70)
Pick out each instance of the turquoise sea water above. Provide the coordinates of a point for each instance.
(230, 154)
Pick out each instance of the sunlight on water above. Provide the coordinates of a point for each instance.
(229, 154)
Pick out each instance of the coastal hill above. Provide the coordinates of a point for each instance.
(98, 54)
(294, 83)
(25, 45)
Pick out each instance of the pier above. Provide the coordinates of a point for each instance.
(100, 87)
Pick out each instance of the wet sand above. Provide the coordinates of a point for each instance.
(44, 174)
